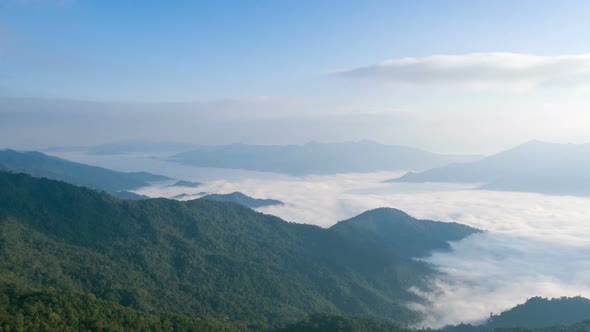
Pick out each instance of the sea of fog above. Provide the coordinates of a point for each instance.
(534, 245)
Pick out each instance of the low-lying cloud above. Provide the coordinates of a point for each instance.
(481, 70)
(535, 245)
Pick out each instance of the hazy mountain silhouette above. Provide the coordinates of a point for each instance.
(237, 197)
(316, 158)
(40, 165)
(548, 168)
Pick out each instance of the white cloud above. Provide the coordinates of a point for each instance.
(535, 245)
(481, 70)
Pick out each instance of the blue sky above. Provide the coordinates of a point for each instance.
(195, 50)
(448, 76)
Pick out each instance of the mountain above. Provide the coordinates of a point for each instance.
(315, 158)
(548, 168)
(201, 256)
(396, 232)
(135, 146)
(541, 312)
(537, 314)
(40, 165)
(237, 197)
(184, 183)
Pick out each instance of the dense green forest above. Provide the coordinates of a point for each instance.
(26, 309)
(73, 258)
(202, 256)
(539, 312)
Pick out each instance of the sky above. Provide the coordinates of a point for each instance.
(447, 76)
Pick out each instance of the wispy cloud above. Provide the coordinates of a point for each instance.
(480, 70)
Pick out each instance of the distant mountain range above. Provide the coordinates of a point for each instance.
(548, 168)
(239, 198)
(126, 147)
(135, 146)
(316, 158)
(40, 165)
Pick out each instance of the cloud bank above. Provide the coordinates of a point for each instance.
(535, 245)
(480, 70)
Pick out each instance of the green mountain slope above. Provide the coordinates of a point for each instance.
(541, 312)
(199, 256)
(26, 309)
(40, 165)
(395, 232)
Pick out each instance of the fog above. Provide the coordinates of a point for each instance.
(459, 77)
(534, 245)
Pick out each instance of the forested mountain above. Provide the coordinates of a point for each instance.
(537, 314)
(199, 256)
(548, 168)
(25, 309)
(395, 232)
(336, 323)
(540, 312)
(316, 158)
(237, 197)
(40, 165)
(156, 263)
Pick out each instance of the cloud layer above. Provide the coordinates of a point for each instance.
(481, 70)
(535, 245)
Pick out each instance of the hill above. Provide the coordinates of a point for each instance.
(237, 197)
(200, 256)
(40, 165)
(396, 232)
(542, 312)
(547, 168)
(315, 158)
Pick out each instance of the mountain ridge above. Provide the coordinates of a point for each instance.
(46, 166)
(240, 198)
(215, 258)
(535, 166)
(315, 157)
